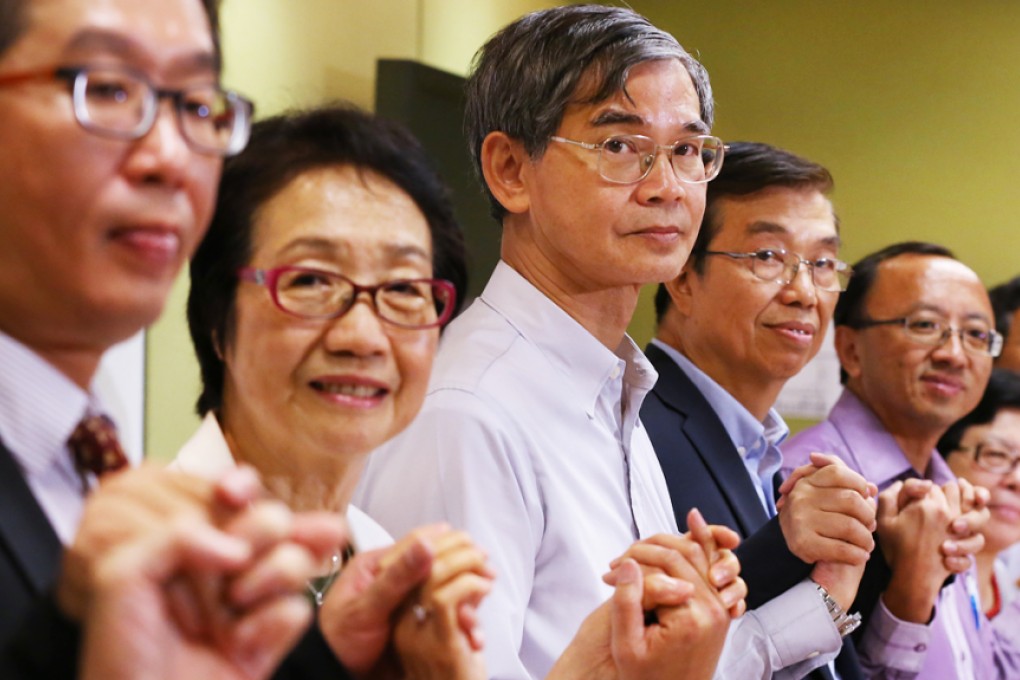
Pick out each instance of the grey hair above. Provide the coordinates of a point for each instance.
(524, 77)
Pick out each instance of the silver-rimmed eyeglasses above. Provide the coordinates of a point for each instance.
(119, 102)
(775, 265)
(993, 458)
(626, 159)
(317, 294)
(928, 328)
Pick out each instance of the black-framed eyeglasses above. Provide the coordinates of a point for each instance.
(119, 102)
(927, 328)
(775, 265)
(626, 159)
(993, 458)
(316, 294)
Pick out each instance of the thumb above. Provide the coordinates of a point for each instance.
(888, 504)
(263, 636)
(819, 459)
(628, 618)
(398, 577)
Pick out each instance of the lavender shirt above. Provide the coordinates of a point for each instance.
(960, 642)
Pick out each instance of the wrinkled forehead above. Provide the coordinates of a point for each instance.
(147, 34)
(799, 216)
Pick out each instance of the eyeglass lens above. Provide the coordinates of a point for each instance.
(995, 459)
(123, 104)
(931, 330)
(629, 158)
(826, 273)
(313, 294)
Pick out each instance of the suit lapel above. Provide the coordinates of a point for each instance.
(709, 439)
(25, 531)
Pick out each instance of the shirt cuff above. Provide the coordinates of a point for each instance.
(889, 642)
(799, 624)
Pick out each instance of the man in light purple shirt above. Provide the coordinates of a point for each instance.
(915, 339)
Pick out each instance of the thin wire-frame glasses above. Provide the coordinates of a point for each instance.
(626, 159)
(317, 294)
(929, 329)
(119, 102)
(778, 266)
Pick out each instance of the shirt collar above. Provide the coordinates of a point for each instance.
(743, 428)
(39, 406)
(583, 361)
(207, 453)
(879, 456)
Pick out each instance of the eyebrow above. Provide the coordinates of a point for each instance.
(766, 227)
(116, 44)
(613, 116)
(929, 307)
(327, 246)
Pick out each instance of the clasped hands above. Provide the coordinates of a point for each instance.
(928, 532)
(827, 515)
(174, 576)
(669, 614)
(410, 610)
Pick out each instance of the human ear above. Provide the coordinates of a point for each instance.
(847, 350)
(504, 161)
(679, 289)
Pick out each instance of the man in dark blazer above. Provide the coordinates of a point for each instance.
(104, 194)
(749, 310)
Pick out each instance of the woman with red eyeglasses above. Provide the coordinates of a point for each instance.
(983, 447)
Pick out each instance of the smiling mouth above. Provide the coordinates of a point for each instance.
(943, 383)
(797, 330)
(1006, 509)
(158, 245)
(349, 390)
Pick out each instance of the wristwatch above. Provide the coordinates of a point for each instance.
(845, 623)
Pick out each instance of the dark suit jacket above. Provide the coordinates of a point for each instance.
(36, 640)
(704, 470)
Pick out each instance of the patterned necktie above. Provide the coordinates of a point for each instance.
(95, 447)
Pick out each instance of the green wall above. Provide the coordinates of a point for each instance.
(911, 104)
(292, 53)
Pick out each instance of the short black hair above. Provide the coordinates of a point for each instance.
(1005, 299)
(1003, 392)
(14, 21)
(282, 148)
(850, 306)
(748, 167)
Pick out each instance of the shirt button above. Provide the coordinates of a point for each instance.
(743, 452)
(921, 647)
(812, 655)
(616, 372)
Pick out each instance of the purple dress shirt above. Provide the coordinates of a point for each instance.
(960, 642)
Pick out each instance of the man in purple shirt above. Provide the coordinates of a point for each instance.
(915, 339)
